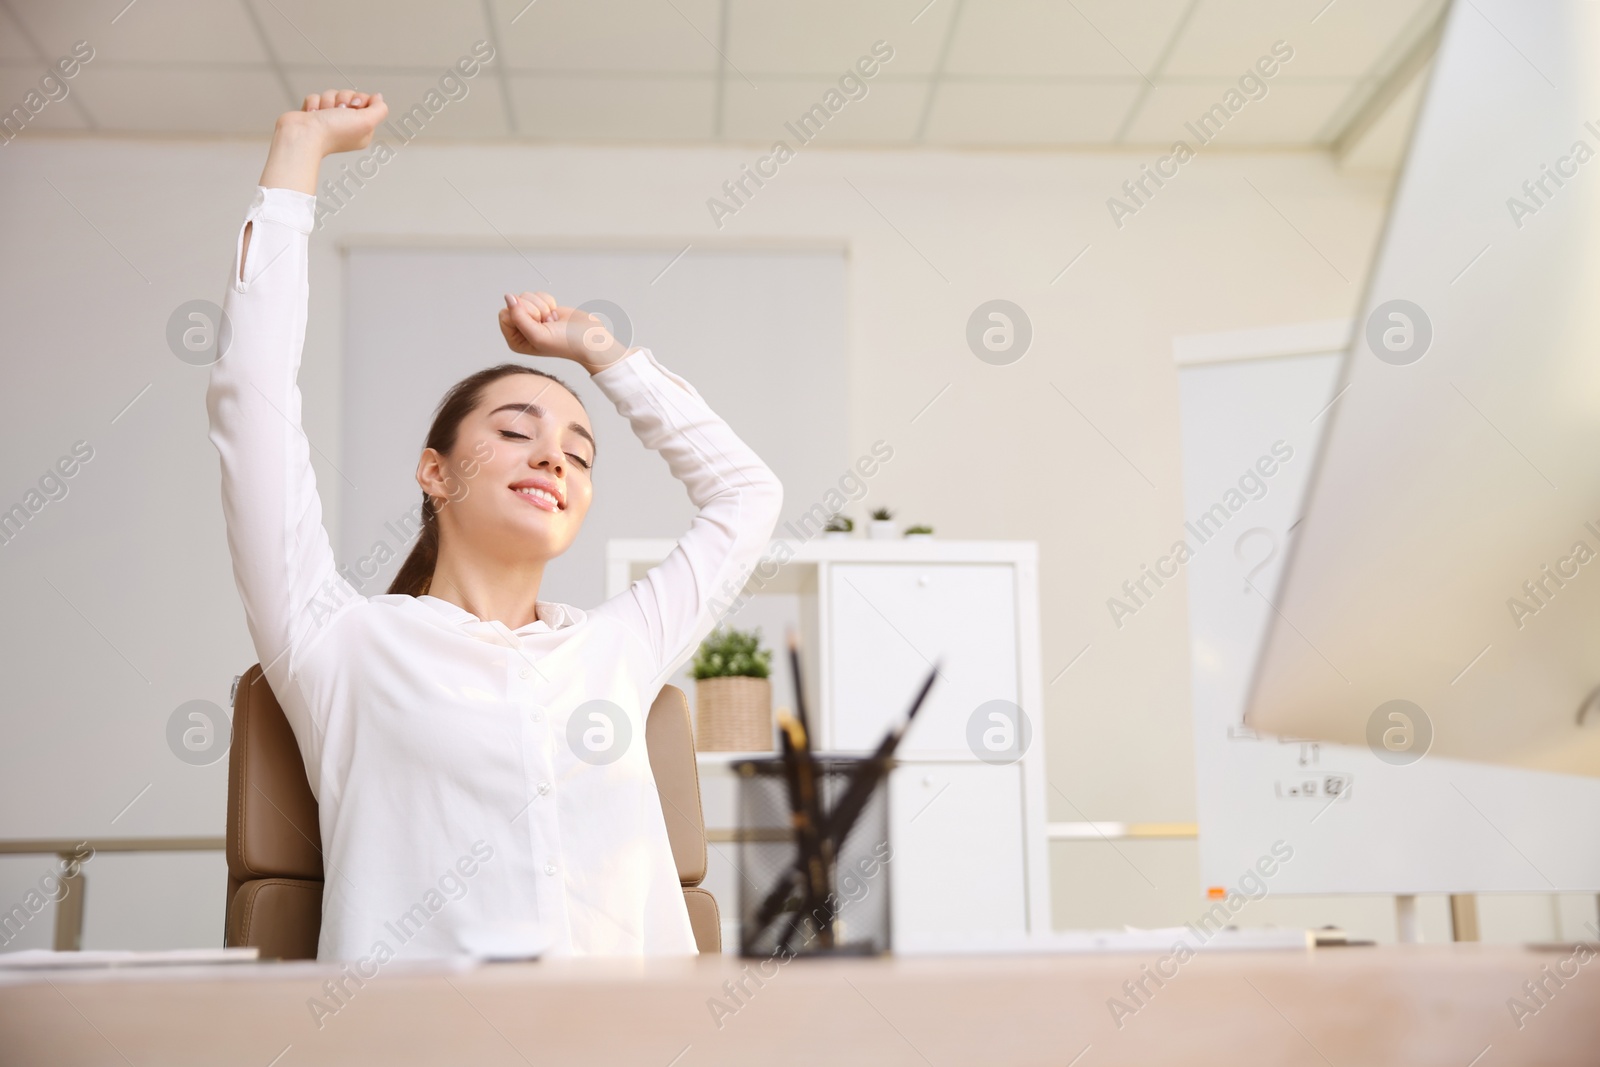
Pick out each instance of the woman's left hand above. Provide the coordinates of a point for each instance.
(535, 325)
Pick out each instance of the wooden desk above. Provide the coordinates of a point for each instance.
(1410, 1006)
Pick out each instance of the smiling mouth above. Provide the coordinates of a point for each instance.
(539, 498)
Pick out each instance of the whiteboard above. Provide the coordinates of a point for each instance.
(1356, 823)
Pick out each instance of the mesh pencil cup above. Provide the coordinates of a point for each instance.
(851, 914)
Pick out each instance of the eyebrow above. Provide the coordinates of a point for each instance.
(538, 412)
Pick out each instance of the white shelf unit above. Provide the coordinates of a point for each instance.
(970, 855)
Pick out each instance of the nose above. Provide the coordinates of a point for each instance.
(549, 455)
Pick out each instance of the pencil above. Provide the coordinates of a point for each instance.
(807, 825)
(823, 889)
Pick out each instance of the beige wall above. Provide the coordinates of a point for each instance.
(130, 229)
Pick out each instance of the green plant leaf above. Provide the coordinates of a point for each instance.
(730, 652)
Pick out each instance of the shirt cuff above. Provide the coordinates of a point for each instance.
(637, 372)
(290, 207)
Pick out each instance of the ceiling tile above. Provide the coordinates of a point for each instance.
(1023, 115)
(182, 101)
(625, 36)
(16, 81)
(466, 108)
(828, 37)
(888, 112)
(1290, 113)
(372, 33)
(576, 108)
(1083, 39)
(1225, 37)
(154, 31)
(1382, 146)
(1034, 73)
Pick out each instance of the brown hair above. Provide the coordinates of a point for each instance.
(416, 573)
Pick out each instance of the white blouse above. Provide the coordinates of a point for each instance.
(457, 788)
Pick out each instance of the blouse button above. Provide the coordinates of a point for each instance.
(524, 672)
(544, 787)
(549, 868)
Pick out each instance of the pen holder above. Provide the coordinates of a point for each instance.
(853, 919)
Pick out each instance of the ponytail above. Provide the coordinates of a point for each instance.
(416, 573)
(415, 576)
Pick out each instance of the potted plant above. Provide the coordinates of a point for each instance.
(732, 692)
(920, 533)
(882, 524)
(838, 527)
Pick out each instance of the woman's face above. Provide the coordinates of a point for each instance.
(527, 434)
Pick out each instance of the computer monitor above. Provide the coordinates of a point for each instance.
(1442, 586)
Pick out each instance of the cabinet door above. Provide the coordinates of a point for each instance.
(957, 860)
(889, 622)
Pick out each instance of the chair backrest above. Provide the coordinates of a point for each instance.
(274, 840)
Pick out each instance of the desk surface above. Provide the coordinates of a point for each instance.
(1411, 1006)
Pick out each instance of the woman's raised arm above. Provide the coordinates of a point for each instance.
(339, 120)
(282, 561)
(679, 600)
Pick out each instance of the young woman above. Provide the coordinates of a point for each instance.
(478, 754)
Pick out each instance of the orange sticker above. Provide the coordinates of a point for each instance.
(1216, 892)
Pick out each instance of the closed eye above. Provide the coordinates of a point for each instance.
(579, 460)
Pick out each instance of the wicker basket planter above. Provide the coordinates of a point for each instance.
(733, 714)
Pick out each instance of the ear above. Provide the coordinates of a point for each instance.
(433, 476)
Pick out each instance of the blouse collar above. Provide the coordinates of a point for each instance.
(550, 616)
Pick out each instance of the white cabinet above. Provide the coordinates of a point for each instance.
(969, 838)
(890, 622)
(958, 863)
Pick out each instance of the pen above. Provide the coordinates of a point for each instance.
(865, 780)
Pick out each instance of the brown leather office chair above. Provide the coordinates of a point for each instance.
(274, 841)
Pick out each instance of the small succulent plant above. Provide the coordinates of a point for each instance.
(732, 652)
(882, 514)
(840, 523)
